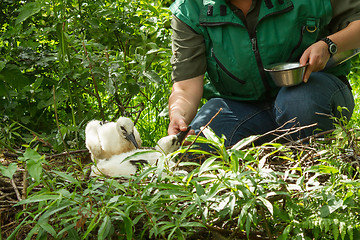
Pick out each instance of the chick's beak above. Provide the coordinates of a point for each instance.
(182, 135)
(131, 138)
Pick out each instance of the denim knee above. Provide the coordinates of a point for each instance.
(313, 102)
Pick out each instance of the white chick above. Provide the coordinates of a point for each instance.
(111, 138)
(127, 164)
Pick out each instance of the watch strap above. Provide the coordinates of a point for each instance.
(329, 42)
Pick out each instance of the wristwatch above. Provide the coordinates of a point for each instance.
(332, 48)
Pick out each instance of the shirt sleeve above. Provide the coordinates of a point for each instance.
(188, 47)
(344, 12)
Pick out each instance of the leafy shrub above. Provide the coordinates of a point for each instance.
(238, 193)
(83, 60)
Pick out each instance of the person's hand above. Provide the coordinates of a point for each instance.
(178, 124)
(317, 55)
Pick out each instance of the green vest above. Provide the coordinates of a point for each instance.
(236, 56)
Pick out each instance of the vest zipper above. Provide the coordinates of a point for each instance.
(259, 64)
(255, 49)
(224, 68)
(253, 39)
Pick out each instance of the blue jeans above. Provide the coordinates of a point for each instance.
(323, 93)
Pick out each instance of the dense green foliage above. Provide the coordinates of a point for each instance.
(97, 59)
(66, 62)
(238, 193)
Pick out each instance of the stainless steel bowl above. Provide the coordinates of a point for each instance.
(291, 74)
(286, 74)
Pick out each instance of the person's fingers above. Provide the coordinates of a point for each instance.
(303, 61)
(176, 126)
(304, 58)
(308, 71)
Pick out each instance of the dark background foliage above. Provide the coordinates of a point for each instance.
(98, 59)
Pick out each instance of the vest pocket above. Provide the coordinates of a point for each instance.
(223, 68)
(307, 36)
(227, 82)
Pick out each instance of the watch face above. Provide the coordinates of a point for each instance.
(333, 48)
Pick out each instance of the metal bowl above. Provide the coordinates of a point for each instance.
(286, 74)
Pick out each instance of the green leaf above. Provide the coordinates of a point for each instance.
(34, 230)
(34, 169)
(2, 65)
(166, 226)
(342, 229)
(27, 11)
(244, 210)
(350, 231)
(214, 190)
(9, 170)
(67, 177)
(244, 142)
(199, 189)
(267, 204)
(128, 228)
(335, 229)
(105, 228)
(235, 159)
(47, 227)
(206, 166)
(192, 224)
(38, 198)
(63, 43)
(56, 208)
(70, 231)
(284, 235)
(209, 134)
(33, 163)
(12, 75)
(322, 169)
(32, 154)
(332, 206)
(152, 76)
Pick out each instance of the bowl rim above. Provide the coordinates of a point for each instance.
(268, 67)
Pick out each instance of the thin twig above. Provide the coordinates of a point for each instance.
(192, 143)
(67, 153)
(15, 189)
(25, 185)
(293, 130)
(312, 136)
(284, 132)
(139, 113)
(142, 93)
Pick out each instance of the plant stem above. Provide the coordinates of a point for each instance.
(7, 146)
(201, 130)
(95, 84)
(267, 228)
(57, 120)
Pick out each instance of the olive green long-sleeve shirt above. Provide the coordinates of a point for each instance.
(188, 47)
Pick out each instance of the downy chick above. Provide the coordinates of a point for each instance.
(107, 139)
(127, 164)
